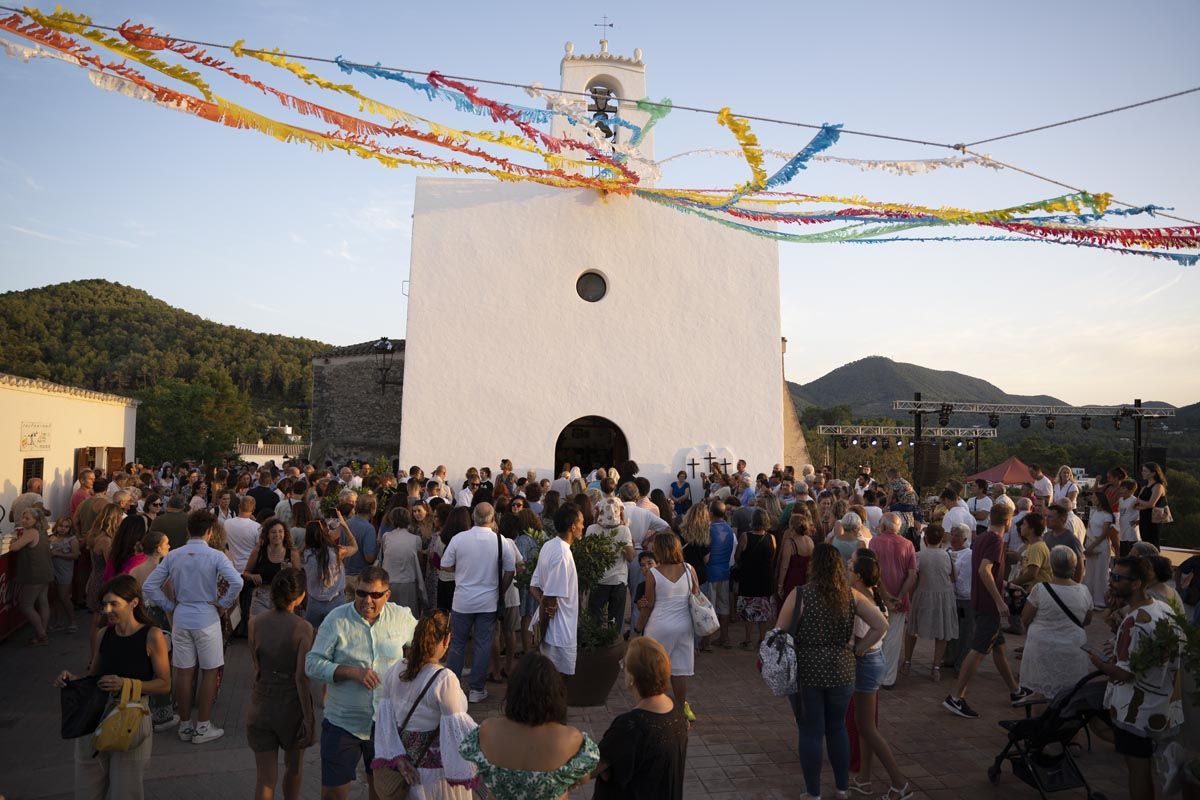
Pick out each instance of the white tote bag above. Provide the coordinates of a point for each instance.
(704, 616)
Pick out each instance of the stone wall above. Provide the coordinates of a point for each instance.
(351, 418)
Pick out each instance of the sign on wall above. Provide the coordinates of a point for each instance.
(35, 436)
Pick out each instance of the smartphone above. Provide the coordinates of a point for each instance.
(1094, 650)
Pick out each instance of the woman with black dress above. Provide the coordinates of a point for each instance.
(1153, 495)
(273, 552)
(755, 556)
(643, 752)
(130, 647)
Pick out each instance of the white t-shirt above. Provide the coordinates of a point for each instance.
(874, 515)
(618, 573)
(556, 576)
(641, 522)
(242, 533)
(959, 515)
(1129, 519)
(977, 504)
(962, 573)
(1061, 493)
(1012, 539)
(1043, 487)
(476, 579)
(463, 498)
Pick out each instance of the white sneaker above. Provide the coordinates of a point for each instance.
(477, 695)
(186, 732)
(209, 734)
(166, 724)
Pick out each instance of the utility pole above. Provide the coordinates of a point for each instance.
(917, 449)
(1137, 440)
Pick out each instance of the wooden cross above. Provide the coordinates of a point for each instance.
(725, 466)
(693, 464)
(710, 458)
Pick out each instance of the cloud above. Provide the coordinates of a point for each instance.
(37, 234)
(263, 307)
(1162, 288)
(342, 252)
(32, 184)
(296, 238)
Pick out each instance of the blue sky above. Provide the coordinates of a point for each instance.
(244, 230)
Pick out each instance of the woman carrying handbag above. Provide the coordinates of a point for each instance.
(130, 648)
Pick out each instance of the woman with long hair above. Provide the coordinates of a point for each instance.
(35, 570)
(280, 714)
(1066, 491)
(272, 553)
(1153, 495)
(867, 579)
(823, 612)
(322, 558)
(422, 719)
(667, 616)
(128, 646)
(551, 500)
(769, 503)
(125, 553)
(794, 552)
(99, 539)
(1103, 540)
(301, 516)
(64, 551)
(697, 544)
(459, 520)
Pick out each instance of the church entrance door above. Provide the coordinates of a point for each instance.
(590, 442)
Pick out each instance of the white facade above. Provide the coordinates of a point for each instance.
(43, 420)
(683, 353)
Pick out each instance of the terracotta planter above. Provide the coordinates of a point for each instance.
(595, 673)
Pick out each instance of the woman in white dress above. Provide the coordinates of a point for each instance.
(667, 617)
(1066, 491)
(425, 750)
(1052, 660)
(934, 612)
(1103, 539)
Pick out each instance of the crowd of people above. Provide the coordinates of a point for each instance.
(390, 601)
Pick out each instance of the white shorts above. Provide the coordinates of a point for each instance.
(563, 658)
(205, 645)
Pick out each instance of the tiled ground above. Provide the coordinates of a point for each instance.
(742, 746)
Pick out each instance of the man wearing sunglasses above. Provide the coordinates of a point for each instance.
(355, 646)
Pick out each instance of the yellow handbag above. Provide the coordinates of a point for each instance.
(121, 728)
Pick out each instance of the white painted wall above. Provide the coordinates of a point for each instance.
(74, 421)
(682, 354)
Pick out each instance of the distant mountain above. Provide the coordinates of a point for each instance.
(102, 335)
(869, 386)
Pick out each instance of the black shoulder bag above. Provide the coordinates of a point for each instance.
(1062, 605)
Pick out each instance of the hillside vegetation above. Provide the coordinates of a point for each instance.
(202, 384)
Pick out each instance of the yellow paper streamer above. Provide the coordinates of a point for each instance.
(740, 128)
(66, 21)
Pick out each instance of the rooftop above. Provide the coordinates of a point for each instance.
(48, 387)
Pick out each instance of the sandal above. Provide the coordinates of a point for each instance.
(903, 793)
(906, 667)
(862, 787)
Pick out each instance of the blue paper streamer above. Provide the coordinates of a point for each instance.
(826, 138)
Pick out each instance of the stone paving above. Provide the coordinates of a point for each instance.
(742, 746)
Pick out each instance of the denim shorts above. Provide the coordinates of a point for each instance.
(340, 753)
(868, 672)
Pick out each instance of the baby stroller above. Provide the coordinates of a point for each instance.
(1038, 746)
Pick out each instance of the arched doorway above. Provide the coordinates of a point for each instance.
(590, 442)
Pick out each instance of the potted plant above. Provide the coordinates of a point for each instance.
(600, 646)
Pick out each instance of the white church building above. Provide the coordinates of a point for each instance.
(552, 325)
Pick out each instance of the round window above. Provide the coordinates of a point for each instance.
(591, 286)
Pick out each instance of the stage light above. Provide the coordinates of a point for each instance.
(912, 443)
(842, 441)
(1085, 422)
(1117, 423)
(899, 441)
(994, 420)
(886, 443)
(944, 414)
(958, 443)
(970, 445)
(863, 444)
(854, 442)
(1050, 422)
(874, 441)
(946, 445)
(1026, 421)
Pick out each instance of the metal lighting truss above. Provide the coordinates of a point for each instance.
(937, 406)
(888, 430)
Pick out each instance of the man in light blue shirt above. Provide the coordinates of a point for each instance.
(722, 544)
(193, 571)
(355, 646)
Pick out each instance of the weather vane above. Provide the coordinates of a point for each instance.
(602, 26)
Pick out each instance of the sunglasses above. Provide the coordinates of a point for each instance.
(363, 593)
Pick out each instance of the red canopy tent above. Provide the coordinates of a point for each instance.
(1010, 472)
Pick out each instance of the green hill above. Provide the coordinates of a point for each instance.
(103, 335)
(869, 386)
